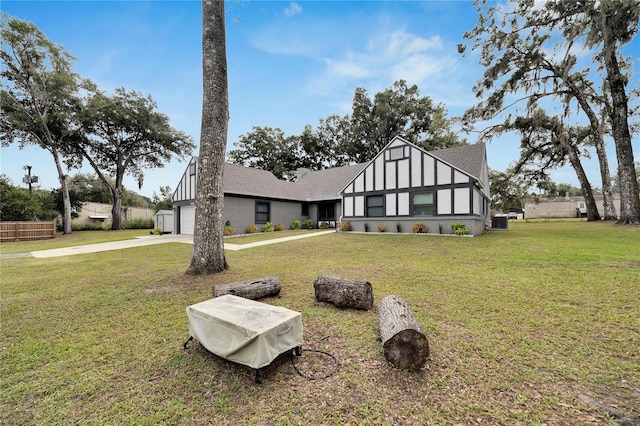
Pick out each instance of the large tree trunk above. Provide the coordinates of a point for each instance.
(66, 199)
(117, 193)
(587, 192)
(629, 193)
(596, 135)
(344, 293)
(116, 210)
(404, 343)
(208, 239)
(609, 209)
(251, 289)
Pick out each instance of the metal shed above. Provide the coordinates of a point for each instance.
(164, 220)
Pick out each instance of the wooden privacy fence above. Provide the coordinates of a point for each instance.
(21, 231)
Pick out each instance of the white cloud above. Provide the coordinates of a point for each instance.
(401, 43)
(375, 59)
(386, 57)
(293, 9)
(419, 68)
(346, 69)
(278, 43)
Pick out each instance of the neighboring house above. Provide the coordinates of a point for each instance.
(401, 170)
(99, 212)
(557, 207)
(405, 184)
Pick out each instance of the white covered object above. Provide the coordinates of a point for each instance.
(245, 331)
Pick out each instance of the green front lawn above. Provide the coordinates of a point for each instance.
(81, 238)
(76, 238)
(524, 327)
(263, 236)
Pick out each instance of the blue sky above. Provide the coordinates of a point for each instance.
(289, 64)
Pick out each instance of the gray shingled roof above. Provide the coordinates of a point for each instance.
(468, 158)
(313, 186)
(242, 180)
(327, 184)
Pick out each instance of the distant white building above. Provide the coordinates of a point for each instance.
(557, 207)
(99, 212)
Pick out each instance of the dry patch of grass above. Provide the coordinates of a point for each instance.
(523, 325)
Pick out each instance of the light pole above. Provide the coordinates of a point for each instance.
(28, 179)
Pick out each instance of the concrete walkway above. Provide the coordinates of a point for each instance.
(147, 241)
(234, 247)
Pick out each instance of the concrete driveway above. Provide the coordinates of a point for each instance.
(148, 240)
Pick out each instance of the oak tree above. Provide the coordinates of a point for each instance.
(612, 23)
(127, 136)
(40, 99)
(269, 149)
(397, 111)
(527, 62)
(355, 138)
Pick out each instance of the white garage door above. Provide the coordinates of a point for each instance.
(187, 219)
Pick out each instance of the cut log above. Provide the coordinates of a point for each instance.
(344, 293)
(252, 289)
(404, 343)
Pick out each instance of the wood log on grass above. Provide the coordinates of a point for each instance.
(252, 289)
(343, 293)
(404, 343)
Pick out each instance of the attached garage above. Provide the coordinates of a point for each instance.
(187, 219)
(184, 198)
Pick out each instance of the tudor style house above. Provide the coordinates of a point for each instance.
(402, 185)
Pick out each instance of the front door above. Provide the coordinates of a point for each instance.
(327, 212)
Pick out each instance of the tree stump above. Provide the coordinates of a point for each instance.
(252, 289)
(343, 293)
(404, 343)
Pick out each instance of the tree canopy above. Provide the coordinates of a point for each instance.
(268, 149)
(530, 52)
(162, 201)
(20, 204)
(126, 135)
(40, 100)
(397, 111)
(507, 193)
(46, 104)
(355, 138)
(89, 187)
(17, 203)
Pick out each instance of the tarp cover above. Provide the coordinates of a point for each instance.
(245, 331)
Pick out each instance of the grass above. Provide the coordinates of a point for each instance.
(76, 238)
(79, 238)
(263, 236)
(523, 325)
